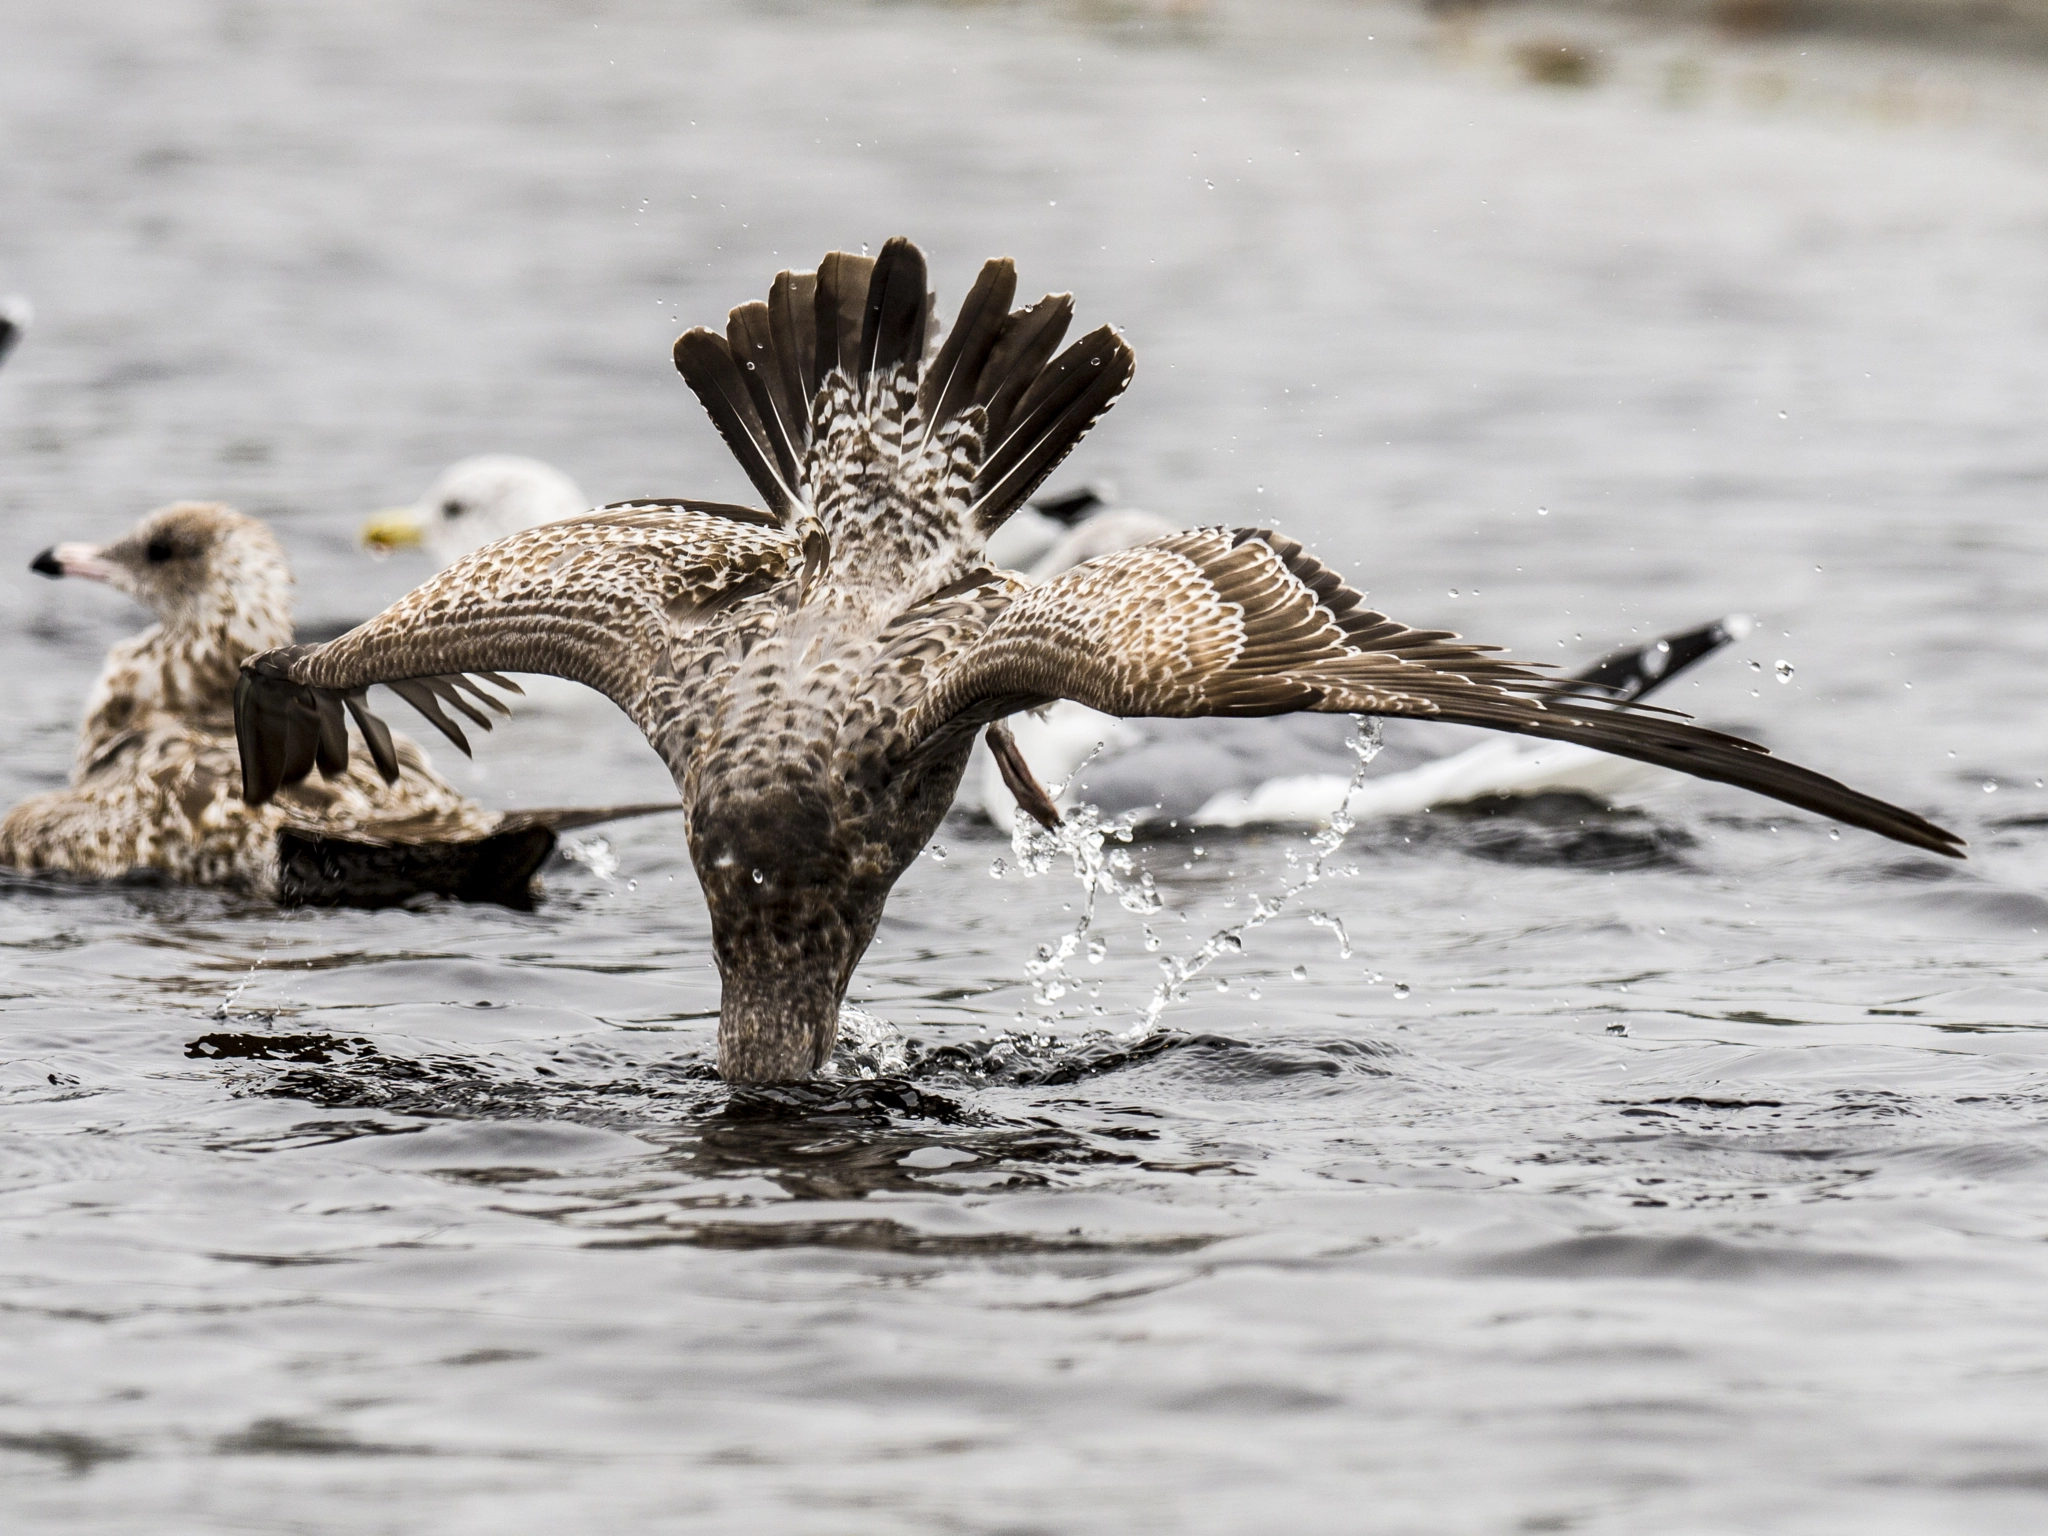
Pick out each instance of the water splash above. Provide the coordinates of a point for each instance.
(1180, 970)
(867, 1047)
(1085, 838)
(226, 1010)
(594, 854)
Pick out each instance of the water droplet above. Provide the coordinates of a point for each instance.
(1617, 1029)
(634, 885)
(1543, 511)
(1400, 989)
(1756, 666)
(1151, 942)
(1784, 671)
(1301, 973)
(998, 868)
(1783, 416)
(1454, 591)
(938, 853)
(1096, 950)
(1834, 834)
(1252, 993)
(1222, 983)
(1991, 786)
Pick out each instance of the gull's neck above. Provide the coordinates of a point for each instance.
(182, 670)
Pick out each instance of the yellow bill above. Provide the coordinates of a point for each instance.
(393, 528)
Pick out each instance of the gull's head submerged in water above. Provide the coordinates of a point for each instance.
(474, 503)
(814, 670)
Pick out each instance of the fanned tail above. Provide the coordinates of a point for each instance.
(994, 408)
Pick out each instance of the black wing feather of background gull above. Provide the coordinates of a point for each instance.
(815, 686)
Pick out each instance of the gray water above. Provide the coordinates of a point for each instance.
(1679, 1170)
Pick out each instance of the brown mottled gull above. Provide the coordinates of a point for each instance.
(157, 785)
(814, 673)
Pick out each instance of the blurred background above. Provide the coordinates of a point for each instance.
(1753, 312)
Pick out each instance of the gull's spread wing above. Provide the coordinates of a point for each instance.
(1220, 621)
(604, 599)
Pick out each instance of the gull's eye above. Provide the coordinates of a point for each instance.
(158, 551)
(452, 508)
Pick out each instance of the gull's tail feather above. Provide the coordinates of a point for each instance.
(767, 386)
(892, 321)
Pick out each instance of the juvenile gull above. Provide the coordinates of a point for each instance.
(814, 672)
(156, 783)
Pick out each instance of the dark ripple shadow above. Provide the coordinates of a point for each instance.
(1622, 1256)
(919, 1129)
(1023, 1060)
(293, 1437)
(75, 1453)
(880, 1235)
(353, 1072)
(1560, 830)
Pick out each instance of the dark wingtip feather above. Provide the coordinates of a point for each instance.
(422, 698)
(376, 735)
(333, 747)
(252, 738)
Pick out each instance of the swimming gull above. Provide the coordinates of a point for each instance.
(156, 783)
(814, 671)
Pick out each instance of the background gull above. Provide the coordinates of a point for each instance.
(156, 785)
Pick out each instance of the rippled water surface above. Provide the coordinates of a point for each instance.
(1677, 1169)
